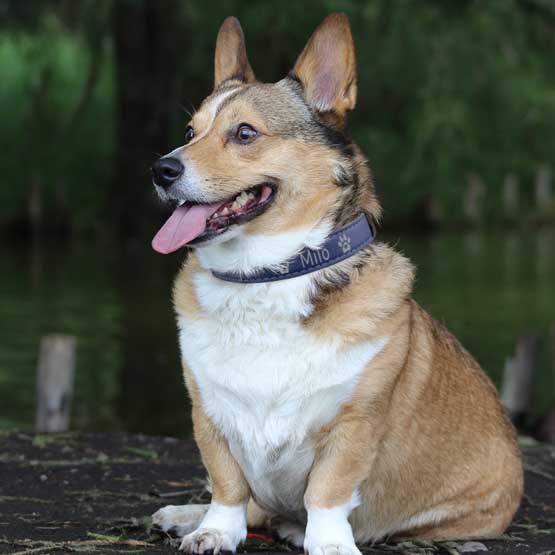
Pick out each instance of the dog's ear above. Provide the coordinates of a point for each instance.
(326, 67)
(231, 60)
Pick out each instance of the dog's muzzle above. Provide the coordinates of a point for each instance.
(166, 170)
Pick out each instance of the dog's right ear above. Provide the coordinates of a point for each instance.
(231, 60)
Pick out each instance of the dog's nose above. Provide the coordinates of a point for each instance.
(166, 170)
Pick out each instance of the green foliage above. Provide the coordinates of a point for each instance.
(454, 88)
(445, 89)
(43, 140)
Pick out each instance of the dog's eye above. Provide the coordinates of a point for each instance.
(189, 134)
(245, 133)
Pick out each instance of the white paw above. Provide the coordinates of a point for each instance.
(328, 531)
(179, 520)
(209, 539)
(291, 532)
(332, 549)
(223, 528)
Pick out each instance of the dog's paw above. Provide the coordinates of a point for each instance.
(222, 529)
(211, 540)
(332, 549)
(179, 520)
(291, 532)
(328, 531)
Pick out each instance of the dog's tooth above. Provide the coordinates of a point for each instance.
(235, 205)
(225, 211)
(241, 200)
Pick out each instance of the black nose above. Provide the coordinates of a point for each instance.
(165, 171)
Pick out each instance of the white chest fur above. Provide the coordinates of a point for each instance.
(267, 382)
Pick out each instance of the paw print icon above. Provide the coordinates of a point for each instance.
(344, 242)
(283, 268)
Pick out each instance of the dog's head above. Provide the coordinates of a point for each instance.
(268, 161)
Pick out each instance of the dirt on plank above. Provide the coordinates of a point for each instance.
(94, 493)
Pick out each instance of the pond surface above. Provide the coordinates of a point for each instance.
(487, 288)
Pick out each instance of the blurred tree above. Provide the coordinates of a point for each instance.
(57, 88)
(447, 90)
(147, 39)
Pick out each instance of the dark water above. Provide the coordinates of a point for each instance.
(486, 287)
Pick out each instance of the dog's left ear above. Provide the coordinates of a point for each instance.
(326, 67)
(231, 60)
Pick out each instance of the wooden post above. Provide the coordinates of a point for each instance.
(516, 390)
(56, 369)
(551, 341)
(544, 428)
(473, 202)
(510, 196)
(543, 188)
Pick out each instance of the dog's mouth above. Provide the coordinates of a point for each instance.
(194, 223)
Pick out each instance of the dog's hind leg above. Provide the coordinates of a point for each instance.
(292, 532)
(180, 520)
(256, 516)
(287, 529)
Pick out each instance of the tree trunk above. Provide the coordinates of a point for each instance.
(149, 36)
(146, 44)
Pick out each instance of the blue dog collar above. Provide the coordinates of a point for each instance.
(340, 245)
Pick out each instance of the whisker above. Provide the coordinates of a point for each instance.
(188, 112)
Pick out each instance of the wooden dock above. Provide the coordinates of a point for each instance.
(94, 493)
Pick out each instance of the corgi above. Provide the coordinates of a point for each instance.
(326, 403)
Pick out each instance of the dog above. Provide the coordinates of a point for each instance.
(326, 403)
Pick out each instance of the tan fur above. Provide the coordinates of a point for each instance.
(395, 437)
(184, 297)
(301, 169)
(423, 390)
(424, 431)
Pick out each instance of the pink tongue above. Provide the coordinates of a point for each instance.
(186, 223)
(266, 192)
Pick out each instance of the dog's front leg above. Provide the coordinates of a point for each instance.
(225, 524)
(343, 462)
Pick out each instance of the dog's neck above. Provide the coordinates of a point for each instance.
(259, 254)
(377, 274)
(338, 246)
(247, 253)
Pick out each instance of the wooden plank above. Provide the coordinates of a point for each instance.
(94, 493)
